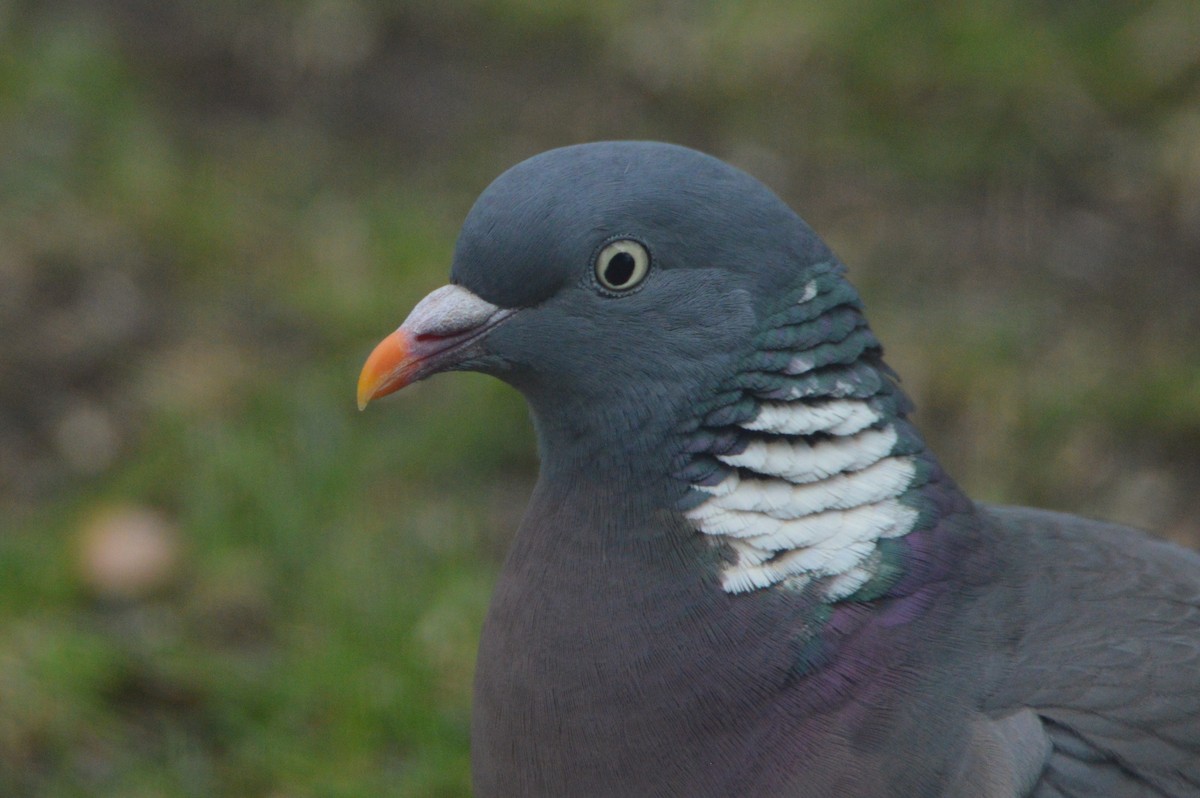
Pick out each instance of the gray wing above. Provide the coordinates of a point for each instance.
(1107, 656)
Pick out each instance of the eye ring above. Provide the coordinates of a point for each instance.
(622, 265)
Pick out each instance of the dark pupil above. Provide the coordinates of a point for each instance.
(619, 269)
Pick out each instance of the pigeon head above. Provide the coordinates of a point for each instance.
(674, 326)
(609, 282)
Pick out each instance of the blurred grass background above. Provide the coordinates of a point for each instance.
(217, 578)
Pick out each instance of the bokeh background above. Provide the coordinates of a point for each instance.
(217, 578)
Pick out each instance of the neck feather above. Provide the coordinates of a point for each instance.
(804, 468)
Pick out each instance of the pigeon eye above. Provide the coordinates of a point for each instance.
(622, 265)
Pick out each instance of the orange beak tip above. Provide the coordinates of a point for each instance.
(385, 369)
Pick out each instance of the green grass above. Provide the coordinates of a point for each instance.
(322, 639)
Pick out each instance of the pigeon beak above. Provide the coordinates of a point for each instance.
(388, 368)
(442, 331)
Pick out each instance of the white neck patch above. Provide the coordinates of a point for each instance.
(794, 510)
